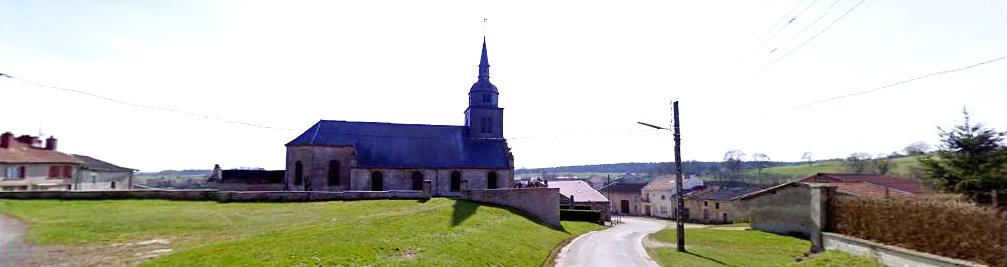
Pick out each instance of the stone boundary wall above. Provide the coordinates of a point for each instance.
(889, 255)
(221, 196)
(539, 203)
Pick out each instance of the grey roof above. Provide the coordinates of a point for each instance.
(99, 165)
(392, 145)
(723, 194)
(580, 190)
(619, 187)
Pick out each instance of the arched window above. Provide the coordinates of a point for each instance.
(298, 173)
(417, 180)
(377, 181)
(491, 180)
(456, 181)
(333, 172)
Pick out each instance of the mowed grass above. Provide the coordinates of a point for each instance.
(378, 232)
(712, 247)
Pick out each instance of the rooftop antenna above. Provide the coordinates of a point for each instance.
(485, 21)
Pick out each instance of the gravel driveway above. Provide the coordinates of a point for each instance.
(13, 249)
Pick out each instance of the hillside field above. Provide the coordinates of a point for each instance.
(441, 232)
(903, 165)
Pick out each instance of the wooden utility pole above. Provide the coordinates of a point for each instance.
(679, 224)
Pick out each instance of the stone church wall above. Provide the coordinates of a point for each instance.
(315, 161)
(401, 179)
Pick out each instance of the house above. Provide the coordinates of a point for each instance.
(28, 164)
(717, 205)
(582, 196)
(100, 175)
(658, 194)
(377, 156)
(868, 185)
(625, 198)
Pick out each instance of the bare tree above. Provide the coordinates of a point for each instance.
(761, 161)
(733, 161)
(807, 157)
(882, 164)
(857, 162)
(917, 148)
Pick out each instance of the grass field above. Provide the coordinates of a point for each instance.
(380, 232)
(712, 247)
(902, 168)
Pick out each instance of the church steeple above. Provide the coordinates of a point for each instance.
(484, 118)
(484, 65)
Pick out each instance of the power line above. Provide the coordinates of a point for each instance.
(117, 101)
(793, 19)
(784, 17)
(792, 37)
(813, 37)
(904, 81)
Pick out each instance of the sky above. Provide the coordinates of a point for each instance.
(574, 76)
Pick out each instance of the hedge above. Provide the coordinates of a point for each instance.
(946, 227)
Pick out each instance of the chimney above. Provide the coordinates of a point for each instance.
(5, 139)
(50, 143)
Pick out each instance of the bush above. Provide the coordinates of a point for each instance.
(580, 215)
(939, 225)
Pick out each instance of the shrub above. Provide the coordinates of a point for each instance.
(940, 225)
(580, 215)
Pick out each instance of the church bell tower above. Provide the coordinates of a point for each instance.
(483, 117)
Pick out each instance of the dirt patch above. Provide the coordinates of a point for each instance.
(119, 254)
(12, 243)
(651, 243)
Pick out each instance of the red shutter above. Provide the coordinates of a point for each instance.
(53, 171)
(67, 171)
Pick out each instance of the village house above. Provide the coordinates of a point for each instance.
(96, 174)
(658, 195)
(582, 196)
(625, 198)
(378, 156)
(718, 205)
(28, 164)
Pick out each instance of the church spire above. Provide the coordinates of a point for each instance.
(484, 64)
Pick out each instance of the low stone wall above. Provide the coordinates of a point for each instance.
(222, 196)
(539, 203)
(888, 255)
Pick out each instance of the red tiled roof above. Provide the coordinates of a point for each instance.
(24, 153)
(899, 183)
(868, 190)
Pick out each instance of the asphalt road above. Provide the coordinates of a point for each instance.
(620, 245)
(13, 248)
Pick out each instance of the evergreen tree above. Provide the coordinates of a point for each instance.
(971, 159)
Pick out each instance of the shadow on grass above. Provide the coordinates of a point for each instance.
(707, 258)
(462, 210)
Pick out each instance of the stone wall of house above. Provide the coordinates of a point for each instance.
(715, 211)
(539, 203)
(635, 205)
(784, 210)
(315, 162)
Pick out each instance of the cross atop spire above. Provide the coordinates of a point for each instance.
(484, 64)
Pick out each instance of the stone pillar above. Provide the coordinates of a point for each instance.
(427, 186)
(820, 194)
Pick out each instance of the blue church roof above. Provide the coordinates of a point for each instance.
(392, 145)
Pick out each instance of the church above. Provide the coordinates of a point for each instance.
(378, 156)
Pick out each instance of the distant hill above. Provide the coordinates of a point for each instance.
(176, 173)
(906, 166)
(660, 168)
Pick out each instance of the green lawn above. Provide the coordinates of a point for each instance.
(379, 232)
(712, 247)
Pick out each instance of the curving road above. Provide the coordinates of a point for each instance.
(620, 245)
(13, 249)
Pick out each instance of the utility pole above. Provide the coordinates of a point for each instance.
(679, 225)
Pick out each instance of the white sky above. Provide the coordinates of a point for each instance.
(574, 76)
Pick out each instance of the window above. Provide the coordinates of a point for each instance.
(662, 196)
(487, 98)
(716, 205)
(67, 171)
(377, 181)
(333, 172)
(456, 181)
(20, 172)
(53, 171)
(491, 180)
(664, 209)
(417, 180)
(705, 203)
(298, 173)
(486, 125)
